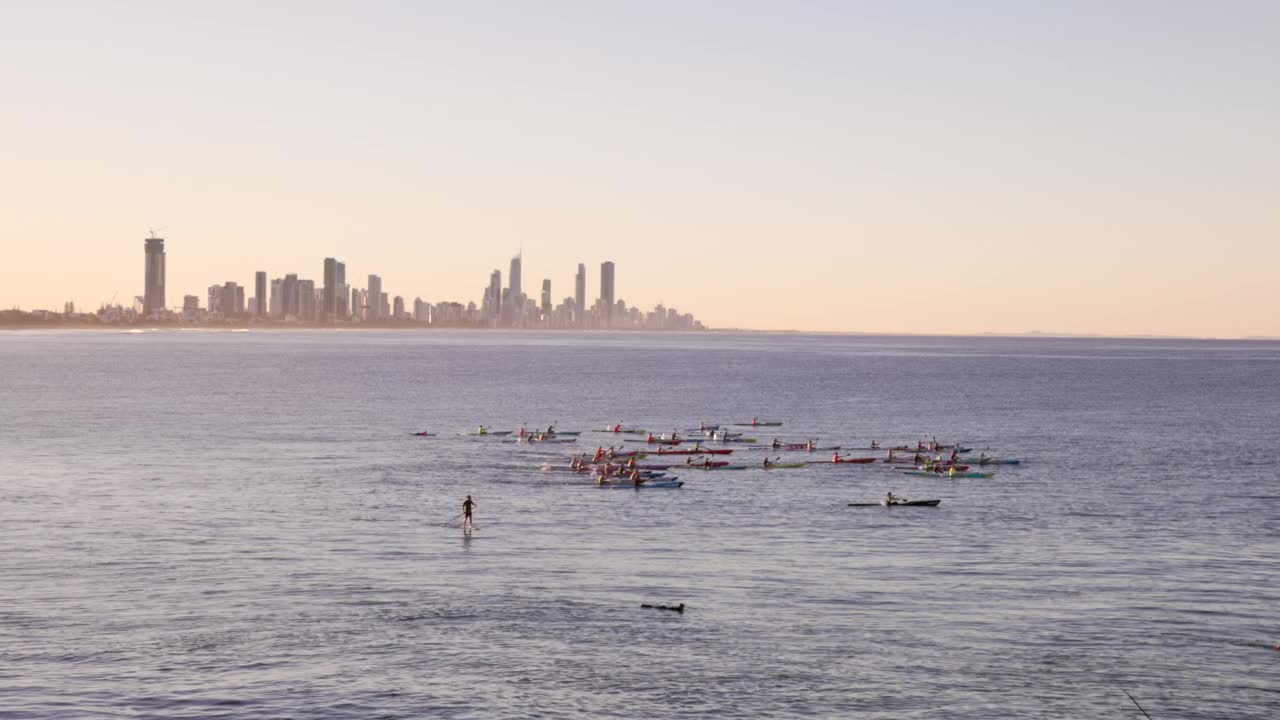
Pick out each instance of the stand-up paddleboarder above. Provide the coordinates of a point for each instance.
(466, 513)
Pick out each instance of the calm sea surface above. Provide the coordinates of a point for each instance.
(239, 525)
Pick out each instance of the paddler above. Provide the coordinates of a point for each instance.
(809, 445)
(467, 504)
(835, 457)
(481, 431)
(617, 428)
(875, 445)
(767, 463)
(775, 444)
(599, 454)
(755, 421)
(889, 499)
(650, 438)
(635, 478)
(952, 472)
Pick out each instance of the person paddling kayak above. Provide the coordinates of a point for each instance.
(467, 504)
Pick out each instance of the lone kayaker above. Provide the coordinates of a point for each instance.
(481, 431)
(890, 499)
(467, 504)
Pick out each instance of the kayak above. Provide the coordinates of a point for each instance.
(590, 457)
(625, 476)
(665, 484)
(783, 466)
(927, 449)
(757, 424)
(719, 467)
(991, 461)
(707, 463)
(844, 461)
(703, 429)
(922, 468)
(497, 433)
(655, 441)
(424, 433)
(532, 439)
(734, 440)
(801, 446)
(624, 431)
(900, 503)
(693, 451)
(959, 475)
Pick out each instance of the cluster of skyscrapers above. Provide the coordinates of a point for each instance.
(295, 300)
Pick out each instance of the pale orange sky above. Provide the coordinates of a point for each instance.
(868, 167)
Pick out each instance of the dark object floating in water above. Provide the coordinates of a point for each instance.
(676, 608)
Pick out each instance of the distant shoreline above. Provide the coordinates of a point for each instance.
(589, 331)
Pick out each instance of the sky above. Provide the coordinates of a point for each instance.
(913, 167)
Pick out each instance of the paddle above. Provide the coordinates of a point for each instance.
(454, 520)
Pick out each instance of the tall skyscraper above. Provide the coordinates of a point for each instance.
(215, 298)
(289, 305)
(341, 300)
(330, 310)
(546, 299)
(606, 291)
(307, 310)
(277, 298)
(514, 277)
(228, 299)
(513, 305)
(495, 294)
(354, 307)
(580, 296)
(153, 289)
(374, 300)
(260, 292)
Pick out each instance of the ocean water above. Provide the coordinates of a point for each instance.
(236, 525)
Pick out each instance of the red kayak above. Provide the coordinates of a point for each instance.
(424, 433)
(853, 461)
(693, 451)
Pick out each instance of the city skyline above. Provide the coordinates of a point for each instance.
(866, 167)
(294, 299)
